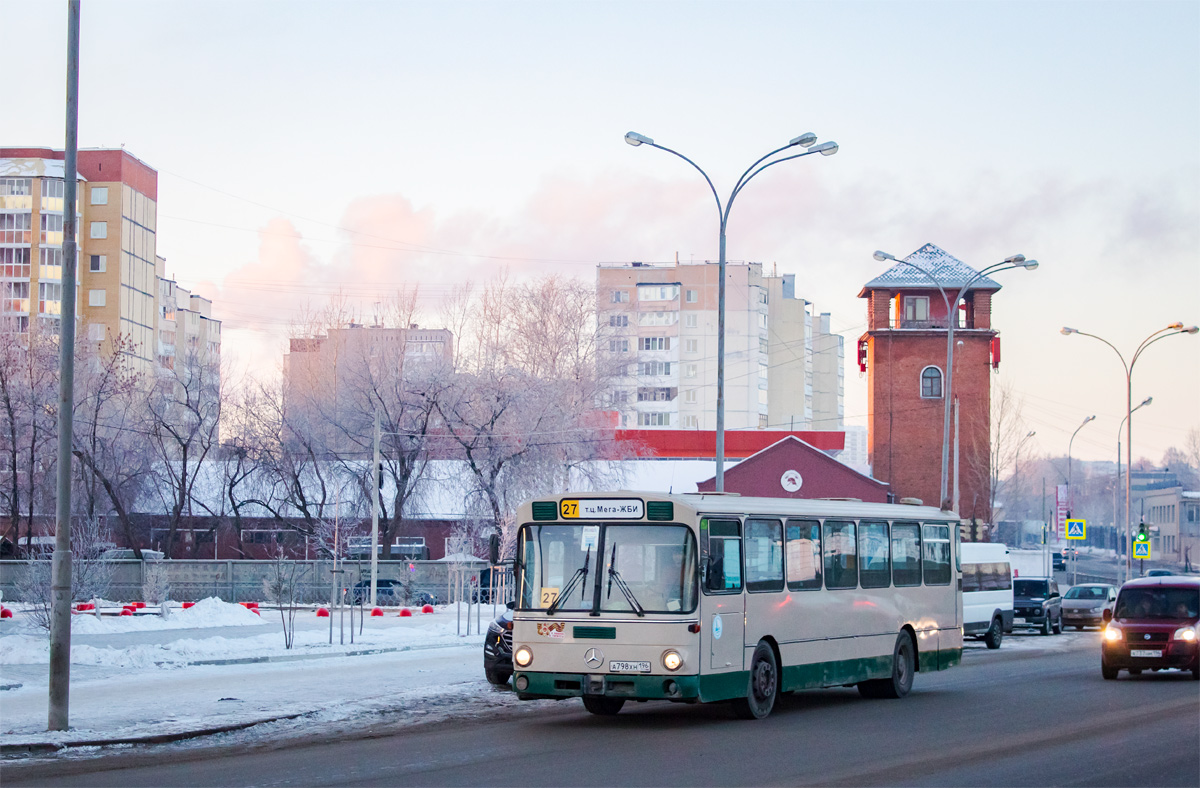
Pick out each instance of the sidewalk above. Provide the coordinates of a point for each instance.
(151, 686)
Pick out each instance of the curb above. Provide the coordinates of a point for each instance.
(35, 748)
(302, 657)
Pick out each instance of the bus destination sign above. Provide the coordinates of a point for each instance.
(602, 509)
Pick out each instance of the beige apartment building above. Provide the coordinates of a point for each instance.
(783, 366)
(119, 292)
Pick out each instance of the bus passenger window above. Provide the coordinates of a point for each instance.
(764, 555)
(906, 554)
(803, 555)
(841, 557)
(937, 555)
(873, 553)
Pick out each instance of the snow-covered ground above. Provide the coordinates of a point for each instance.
(149, 675)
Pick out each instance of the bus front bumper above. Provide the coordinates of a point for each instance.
(555, 686)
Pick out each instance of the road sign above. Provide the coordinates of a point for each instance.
(1141, 550)
(1077, 529)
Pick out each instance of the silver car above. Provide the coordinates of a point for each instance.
(1084, 605)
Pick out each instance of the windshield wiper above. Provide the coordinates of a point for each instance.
(615, 576)
(580, 574)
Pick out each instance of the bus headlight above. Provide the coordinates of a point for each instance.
(1112, 634)
(1186, 634)
(523, 657)
(671, 660)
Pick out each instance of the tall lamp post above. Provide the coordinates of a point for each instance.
(807, 141)
(1143, 404)
(1169, 331)
(1016, 261)
(1070, 444)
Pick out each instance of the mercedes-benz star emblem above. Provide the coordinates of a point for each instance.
(593, 658)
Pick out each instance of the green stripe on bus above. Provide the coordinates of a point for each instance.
(617, 685)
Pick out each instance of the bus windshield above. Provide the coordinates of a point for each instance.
(634, 568)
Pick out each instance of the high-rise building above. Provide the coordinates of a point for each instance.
(659, 347)
(119, 269)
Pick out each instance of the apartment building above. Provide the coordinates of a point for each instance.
(186, 327)
(119, 270)
(659, 345)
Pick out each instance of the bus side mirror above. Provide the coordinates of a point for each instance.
(494, 549)
(1107, 615)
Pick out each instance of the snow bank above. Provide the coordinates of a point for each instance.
(211, 612)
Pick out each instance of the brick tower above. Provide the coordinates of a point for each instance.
(904, 356)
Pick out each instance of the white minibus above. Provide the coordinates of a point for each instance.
(987, 592)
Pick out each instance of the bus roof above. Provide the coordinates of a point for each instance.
(717, 503)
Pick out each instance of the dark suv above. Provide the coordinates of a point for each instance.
(1155, 625)
(1037, 604)
(497, 648)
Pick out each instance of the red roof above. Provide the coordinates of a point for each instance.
(701, 444)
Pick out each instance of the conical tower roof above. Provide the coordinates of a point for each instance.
(950, 272)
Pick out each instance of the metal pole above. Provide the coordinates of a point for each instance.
(60, 614)
(720, 478)
(1128, 464)
(375, 478)
(956, 436)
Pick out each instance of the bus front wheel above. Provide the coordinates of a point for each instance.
(903, 667)
(764, 685)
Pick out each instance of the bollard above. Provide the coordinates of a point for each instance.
(427, 609)
(322, 613)
(405, 612)
(376, 611)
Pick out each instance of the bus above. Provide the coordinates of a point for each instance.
(714, 597)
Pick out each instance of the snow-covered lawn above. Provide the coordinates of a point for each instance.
(137, 676)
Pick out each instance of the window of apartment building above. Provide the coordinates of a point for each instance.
(689, 370)
(931, 383)
(689, 321)
(656, 394)
(53, 188)
(916, 309)
(14, 296)
(99, 195)
(620, 296)
(654, 343)
(96, 332)
(654, 419)
(16, 187)
(762, 421)
(99, 229)
(690, 397)
(691, 296)
(620, 397)
(14, 263)
(618, 346)
(691, 346)
(763, 346)
(49, 298)
(654, 368)
(14, 228)
(618, 321)
(658, 292)
(762, 296)
(691, 423)
(98, 264)
(52, 228)
(96, 298)
(657, 318)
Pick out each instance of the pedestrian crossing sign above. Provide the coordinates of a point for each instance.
(1141, 549)
(1076, 529)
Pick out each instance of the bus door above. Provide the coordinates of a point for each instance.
(724, 606)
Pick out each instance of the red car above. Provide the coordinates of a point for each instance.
(1155, 625)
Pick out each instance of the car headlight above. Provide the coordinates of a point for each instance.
(1186, 634)
(671, 660)
(1113, 634)
(523, 656)
(495, 628)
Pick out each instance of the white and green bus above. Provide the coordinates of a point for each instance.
(701, 598)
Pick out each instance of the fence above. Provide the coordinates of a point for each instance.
(242, 581)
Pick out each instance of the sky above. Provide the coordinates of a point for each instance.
(307, 148)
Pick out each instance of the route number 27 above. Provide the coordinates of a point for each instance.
(569, 510)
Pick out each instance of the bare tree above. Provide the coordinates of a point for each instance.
(281, 587)
(985, 464)
(91, 574)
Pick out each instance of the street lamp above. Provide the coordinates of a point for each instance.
(808, 141)
(1169, 331)
(1144, 403)
(1071, 443)
(1008, 263)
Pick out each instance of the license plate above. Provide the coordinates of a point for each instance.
(1018, 620)
(629, 667)
(1139, 652)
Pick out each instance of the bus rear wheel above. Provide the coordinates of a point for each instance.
(903, 667)
(606, 707)
(764, 685)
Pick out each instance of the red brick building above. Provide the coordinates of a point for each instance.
(793, 468)
(904, 356)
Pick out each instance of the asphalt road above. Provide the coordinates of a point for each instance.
(1025, 715)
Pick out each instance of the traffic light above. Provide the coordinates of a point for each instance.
(1143, 534)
